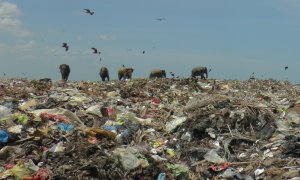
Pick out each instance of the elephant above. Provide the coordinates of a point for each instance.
(158, 73)
(125, 73)
(104, 73)
(199, 71)
(65, 71)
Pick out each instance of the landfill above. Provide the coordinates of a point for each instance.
(168, 128)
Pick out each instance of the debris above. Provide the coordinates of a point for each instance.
(149, 129)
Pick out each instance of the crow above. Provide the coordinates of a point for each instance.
(286, 67)
(172, 74)
(160, 19)
(95, 50)
(66, 46)
(89, 11)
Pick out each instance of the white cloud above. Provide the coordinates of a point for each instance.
(288, 7)
(20, 48)
(78, 38)
(23, 48)
(9, 21)
(106, 37)
(3, 48)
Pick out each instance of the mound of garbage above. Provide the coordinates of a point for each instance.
(149, 129)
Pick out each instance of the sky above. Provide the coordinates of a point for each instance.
(234, 38)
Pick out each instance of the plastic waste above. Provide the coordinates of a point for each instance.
(212, 156)
(9, 166)
(22, 118)
(65, 127)
(29, 105)
(60, 114)
(17, 129)
(293, 118)
(220, 167)
(3, 136)
(161, 176)
(5, 114)
(171, 152)
(57, 147)
(158, 158)
(228, 173)
(93, 140)
(20, 171)
(31, 166)
(172, 125)
(100, 133)
(258, 172)
(127, 159)
(4, 111)
(186, 136)
(178, 170)
(129, 116)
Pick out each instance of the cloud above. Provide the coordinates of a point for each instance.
(21, 48)
(106, 37)
(9, 21)
(3, 48)
(288, 7)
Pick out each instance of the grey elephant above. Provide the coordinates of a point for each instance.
(65, 71)
(104, 73)
(199, 71)
(158, 73)
(125, 73)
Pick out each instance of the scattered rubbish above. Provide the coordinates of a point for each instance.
(149, 129)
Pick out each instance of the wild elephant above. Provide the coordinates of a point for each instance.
(158, 73)
(65, 71)
(199, 71)
(125, 73)
(104, 73)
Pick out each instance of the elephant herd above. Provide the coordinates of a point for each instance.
(126, 72)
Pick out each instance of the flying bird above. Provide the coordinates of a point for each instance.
(66, 46)
(95, 50)
(160, 19)
(286, 67)
(89, 11)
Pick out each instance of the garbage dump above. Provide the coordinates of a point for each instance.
(149, 129)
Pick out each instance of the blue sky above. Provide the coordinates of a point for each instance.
(232, 37)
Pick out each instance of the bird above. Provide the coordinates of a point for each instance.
(160, 19)
(172, 74)
(143, 52)
(66, 46)
(123, 65)
(95, 50)
(89, 11)
(286, 67)
(209, 70)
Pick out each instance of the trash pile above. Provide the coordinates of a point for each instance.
(149, 129)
